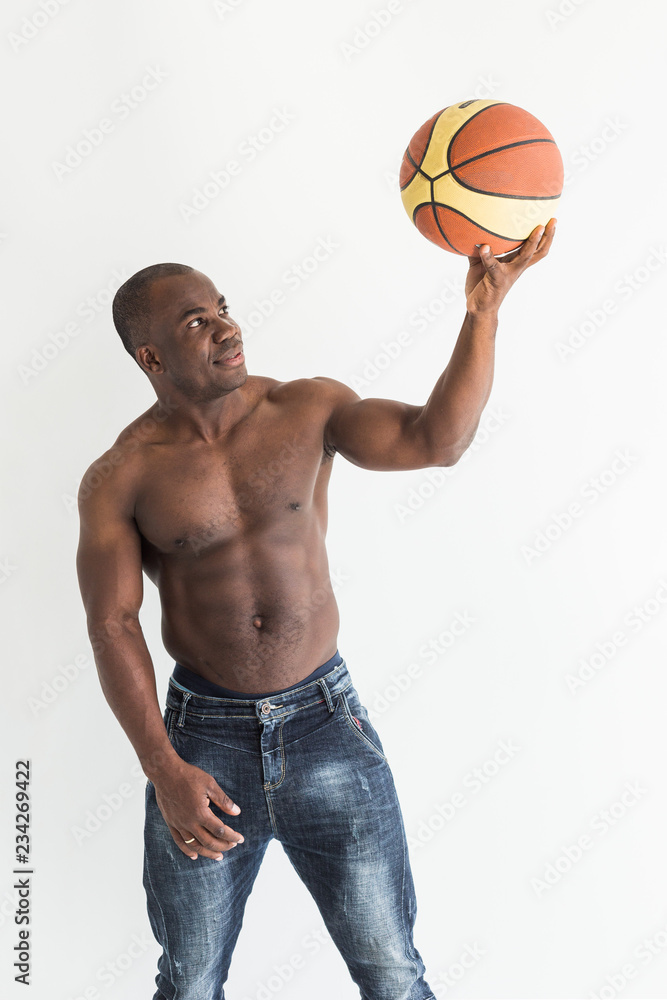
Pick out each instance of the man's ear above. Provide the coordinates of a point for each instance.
(148, 360)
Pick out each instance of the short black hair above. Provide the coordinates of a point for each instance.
(130, 304)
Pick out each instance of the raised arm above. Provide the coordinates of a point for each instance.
(387, 435)
(110, 578)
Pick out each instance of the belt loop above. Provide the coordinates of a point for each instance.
(327, 694)
(181, 718)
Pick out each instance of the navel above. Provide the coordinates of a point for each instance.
(294, 505)
(257, 621)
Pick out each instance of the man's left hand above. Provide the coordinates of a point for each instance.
(489, 279)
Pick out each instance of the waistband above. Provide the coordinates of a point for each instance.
(195, 684)
(323, 689)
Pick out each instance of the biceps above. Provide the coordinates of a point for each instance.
(110, 576)
(379, 434)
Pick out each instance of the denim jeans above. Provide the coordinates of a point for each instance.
(308, 768)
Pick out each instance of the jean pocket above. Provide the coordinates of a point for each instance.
(356, 718)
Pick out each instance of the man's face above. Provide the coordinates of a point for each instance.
(190, 333)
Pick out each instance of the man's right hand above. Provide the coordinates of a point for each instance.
(183, 793)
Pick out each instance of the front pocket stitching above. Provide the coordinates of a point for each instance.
(349, 718)
(170, 724)
(215, 743)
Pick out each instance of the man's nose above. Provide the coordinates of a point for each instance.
(223, 330)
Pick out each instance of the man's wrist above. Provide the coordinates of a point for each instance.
(483, 320)
(159, 761)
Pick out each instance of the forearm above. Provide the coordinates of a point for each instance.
(127, 677)
(451, 415)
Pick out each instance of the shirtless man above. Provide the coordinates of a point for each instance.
(219, 494)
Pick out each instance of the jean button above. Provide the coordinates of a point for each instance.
(266, 708)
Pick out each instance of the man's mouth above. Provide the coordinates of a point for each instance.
(231, 360)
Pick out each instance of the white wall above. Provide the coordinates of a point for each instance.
(593, 73)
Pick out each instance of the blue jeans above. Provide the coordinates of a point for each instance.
(308, 768)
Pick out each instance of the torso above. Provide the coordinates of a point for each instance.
(233, 536)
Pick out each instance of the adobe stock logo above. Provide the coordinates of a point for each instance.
(59, 340)
(246, 152)
(223, 7)
(634, 278)
(366, 33)
(591, 491)
(34, 23)
(653, 945)
(573, 852)
(436, 477)
(634, 621)
(121, 109)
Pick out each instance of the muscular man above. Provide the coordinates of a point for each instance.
(219, 494)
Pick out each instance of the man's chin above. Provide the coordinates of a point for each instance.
(232, 379)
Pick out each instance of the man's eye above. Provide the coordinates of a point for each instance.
(199, 320)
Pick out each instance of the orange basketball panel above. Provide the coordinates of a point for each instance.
(408, 171)
(451, 230)
(530, 171)
(494, 126)
(426, 222)
(419, 143)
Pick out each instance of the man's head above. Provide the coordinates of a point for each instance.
(176, 326)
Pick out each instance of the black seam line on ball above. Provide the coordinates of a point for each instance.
(515, 197)
(488, 152)
(431, 205)
(441, 230)
(430, 135)
(466, 123)
(436, 119)
(418, 169)
(510, 239)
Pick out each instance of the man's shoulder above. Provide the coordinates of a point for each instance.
(320, 389)
(116, 471)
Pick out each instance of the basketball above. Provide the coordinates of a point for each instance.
(481, 172)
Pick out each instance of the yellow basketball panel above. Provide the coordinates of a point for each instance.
(417, 192)
(449, 122)
(512, 218)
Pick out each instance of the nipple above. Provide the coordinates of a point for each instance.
(257, 621)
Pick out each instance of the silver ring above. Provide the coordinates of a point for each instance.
(189, 841)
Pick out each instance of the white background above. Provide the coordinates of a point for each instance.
(593, 73)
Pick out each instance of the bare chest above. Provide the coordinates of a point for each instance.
(196, 498)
